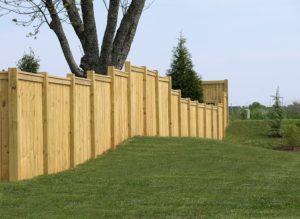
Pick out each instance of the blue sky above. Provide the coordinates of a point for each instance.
(255, 44)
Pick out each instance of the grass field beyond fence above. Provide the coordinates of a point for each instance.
(168, 178)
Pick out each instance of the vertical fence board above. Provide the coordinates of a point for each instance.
(121, 108)
(184, 118)
(163, 102)
(31, 129)
(175, 114)
(215, 123)
(201, 121)
(193, 119)
(4, 159)
(137, 103)
(151, 109)
(82, 146)
(102, 115)
(221, 124)
(208, 124)
(58, 127)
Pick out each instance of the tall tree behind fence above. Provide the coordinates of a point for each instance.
(50, 124)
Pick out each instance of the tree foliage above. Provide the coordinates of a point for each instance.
(80, 14)
(276, 115)
(184, 77)
(291, 134)
(258, 111)
(29, 62)
(293, 110)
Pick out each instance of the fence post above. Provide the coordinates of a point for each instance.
(92, 77)
(204, 121)
(218, 122)
(129, 85)
(157, 104)
(227, 103)
(179, 112)
(13, 122)
(170, 106)
(189, 117)
(72, 118)
(222, 121)
(197, 119)
(45, 122)
(212, 121)
(145, 100)
(111, 72)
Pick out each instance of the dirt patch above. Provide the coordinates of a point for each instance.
(288, 148)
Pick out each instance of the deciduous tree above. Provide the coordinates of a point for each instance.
(116, 41)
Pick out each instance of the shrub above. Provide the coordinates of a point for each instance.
(243, 113)
(291, 134)
(29, 62)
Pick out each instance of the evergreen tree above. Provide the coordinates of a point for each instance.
(29, 62)
(184, 77)
(276, 116)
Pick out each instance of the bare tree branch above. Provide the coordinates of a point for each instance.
(56, 26)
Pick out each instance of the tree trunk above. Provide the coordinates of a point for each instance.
(56, 26)
(126, 33)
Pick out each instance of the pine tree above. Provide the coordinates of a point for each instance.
(29, 62)
(276, 116)
(184, 77)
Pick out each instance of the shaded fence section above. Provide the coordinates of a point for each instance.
(215, 92)
(50, 124)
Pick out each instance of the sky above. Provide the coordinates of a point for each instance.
(255, 44)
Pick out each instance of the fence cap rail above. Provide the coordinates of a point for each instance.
(138, 69)
(3, 75)
(214, 82)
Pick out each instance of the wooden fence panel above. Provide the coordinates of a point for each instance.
(151, 129)
(102, 114)
(82, 144)
(4, 159)
(121, 107)
(201, 121)
(213, 91)
(137, 102)
(54, 124)
(30, 102)
(58, 125)
(184, 118)
(215, 123)
(226, 112)
(175, 113)
(208, 128)
(163, 101)
(193, 119)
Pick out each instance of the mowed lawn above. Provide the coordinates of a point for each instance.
(167, 178)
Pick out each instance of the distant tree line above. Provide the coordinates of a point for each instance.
(260, 112)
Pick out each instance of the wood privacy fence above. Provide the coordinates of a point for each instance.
(50, 124)
(215, 92)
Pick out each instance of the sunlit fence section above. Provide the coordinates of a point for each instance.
(51, 124)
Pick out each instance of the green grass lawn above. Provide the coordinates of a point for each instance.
(254, 133)
(168, 178)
